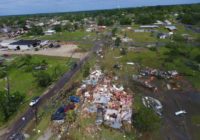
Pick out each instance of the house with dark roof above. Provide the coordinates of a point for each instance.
(24, 44)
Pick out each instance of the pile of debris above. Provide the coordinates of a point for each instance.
(153, 103)
(93, 78)
(147, 76)
(145, 82)
(111, 103)
(159, 73)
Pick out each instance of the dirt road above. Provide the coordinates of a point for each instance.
(29, 114)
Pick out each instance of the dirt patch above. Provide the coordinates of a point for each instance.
(46, 136)
(66, 50)
(176, 127)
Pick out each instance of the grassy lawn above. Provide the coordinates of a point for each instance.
(141, 37)
(85, 46)
(154, 59)
(64, 36)
(24, 81)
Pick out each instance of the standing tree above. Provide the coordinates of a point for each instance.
(43, 79)
(8, 106)
(58, 28)
(35, 30)
(114, 31)
(117, 42)
(86, 70)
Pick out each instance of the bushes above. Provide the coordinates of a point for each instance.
(43, 79)
(58, 28)
(36, 31)
(146, 120)
(118, 42)
(145, 19)
(103, 21)
(178, 38)
(125, 21)
(9, 104)
(2, 72)
(86, 70)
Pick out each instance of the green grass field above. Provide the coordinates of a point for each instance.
(24, 81)
(154, 59)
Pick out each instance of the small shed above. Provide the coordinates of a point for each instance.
(149, 26)
(171, 28)
(49, 32)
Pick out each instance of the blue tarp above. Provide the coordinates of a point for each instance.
(74, 99)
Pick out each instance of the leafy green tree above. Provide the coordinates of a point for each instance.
(68, 27)
(125, 21)
(178, 38)
(44, 62)
(3, 72)
(76, 26)
(103, 21)
(117, 42)
(146, 120)
(114, 31)
(57, 71)
(58, 28)
(86, 70)
(9, 105)
(191, 18)
(145, 19)
(197, 58)
(42, 78)
(21, 22)
(36, 30)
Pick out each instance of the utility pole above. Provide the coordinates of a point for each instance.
(7, 84)
(35, 110)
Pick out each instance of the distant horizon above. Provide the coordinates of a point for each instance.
(22, 7)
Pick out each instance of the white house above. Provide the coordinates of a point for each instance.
(148, 26)
(170, 28)
(49, 32)
(158, 22)
(23, 44)
(40, 24)
(168, 22)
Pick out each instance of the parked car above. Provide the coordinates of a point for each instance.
(34, 101)
(74, 99)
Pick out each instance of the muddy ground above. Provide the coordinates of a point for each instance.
(175, 127)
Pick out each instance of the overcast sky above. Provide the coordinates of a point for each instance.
(15, 7)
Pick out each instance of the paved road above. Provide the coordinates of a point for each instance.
(29, 114)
